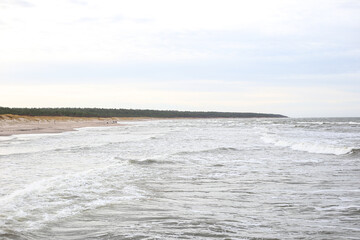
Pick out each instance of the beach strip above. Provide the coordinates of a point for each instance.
(15, 124)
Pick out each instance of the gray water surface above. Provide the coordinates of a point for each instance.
(185, 179)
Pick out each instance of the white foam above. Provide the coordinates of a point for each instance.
(310, 147)
(62, 196)
(317, 123)
(330, 123)
(6, 138)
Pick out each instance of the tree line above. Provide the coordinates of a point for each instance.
(112, 112)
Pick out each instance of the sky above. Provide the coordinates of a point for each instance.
(300, 58)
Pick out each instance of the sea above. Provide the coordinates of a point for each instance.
(280, 178)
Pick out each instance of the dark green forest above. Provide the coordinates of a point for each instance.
(112, 112)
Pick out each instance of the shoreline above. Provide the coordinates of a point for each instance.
(11, 124)
(15, 124)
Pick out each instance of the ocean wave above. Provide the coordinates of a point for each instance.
(29, 150)
(149, 161)
(315, 123)
(58, 197)
(330, 123)
(7, 138)
(310, 147)
(211, 150)
(355, 151)
(26, 144)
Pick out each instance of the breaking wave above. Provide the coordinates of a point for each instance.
(310, 147)
(212, 150)
(149, 161)
(51, 199)
(330, 123)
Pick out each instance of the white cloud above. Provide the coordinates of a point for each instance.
(66, 31)
(280, 41)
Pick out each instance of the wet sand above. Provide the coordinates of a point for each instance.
(15, 124)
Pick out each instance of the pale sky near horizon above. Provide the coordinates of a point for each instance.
(299, 58)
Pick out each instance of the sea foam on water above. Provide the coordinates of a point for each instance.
(194, 179)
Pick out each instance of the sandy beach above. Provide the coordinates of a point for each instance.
(15, 124)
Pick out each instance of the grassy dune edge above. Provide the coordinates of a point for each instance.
(111, 112)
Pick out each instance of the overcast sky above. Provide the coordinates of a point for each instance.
(300, 58)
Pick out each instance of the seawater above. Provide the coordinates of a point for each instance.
(185, 179)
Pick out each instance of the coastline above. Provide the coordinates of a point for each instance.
(15, 124)
(11, 124)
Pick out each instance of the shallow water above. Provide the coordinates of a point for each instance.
(185, 179)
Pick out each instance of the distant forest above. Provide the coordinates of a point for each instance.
(105, 112)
